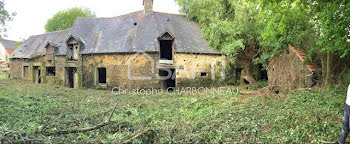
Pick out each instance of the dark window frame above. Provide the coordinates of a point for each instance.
(51, 71)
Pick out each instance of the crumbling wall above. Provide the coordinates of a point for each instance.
(16, 68)
(288, 71)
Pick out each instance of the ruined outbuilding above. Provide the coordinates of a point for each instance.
(126, 51)
(289, 70)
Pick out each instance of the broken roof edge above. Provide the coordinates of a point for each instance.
(302, 57)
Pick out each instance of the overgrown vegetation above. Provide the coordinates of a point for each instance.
(299, 117)
(5, 16)
(267, 27)
(3, 76)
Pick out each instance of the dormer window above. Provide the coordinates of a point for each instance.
(73, 49)
(166, 48)
(51, 49)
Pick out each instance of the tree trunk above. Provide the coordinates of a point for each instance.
(328, 69)
(324, 63)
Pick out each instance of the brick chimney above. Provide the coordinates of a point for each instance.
(148, 5)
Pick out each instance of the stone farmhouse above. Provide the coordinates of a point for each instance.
(143, 49)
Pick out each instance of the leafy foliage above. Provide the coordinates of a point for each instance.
(333, 19)
(285, 22)
(269, 26)
(5, 16)
(65, 19)
(18, 43)
(229, 26)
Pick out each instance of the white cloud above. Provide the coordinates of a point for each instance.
(33, 14)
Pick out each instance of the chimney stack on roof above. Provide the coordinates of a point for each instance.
(148, 6)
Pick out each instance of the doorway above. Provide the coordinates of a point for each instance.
(170, 82)
(70, 76)
(37, 74)
(102, 75)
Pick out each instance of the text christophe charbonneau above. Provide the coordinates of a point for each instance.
(178, 91)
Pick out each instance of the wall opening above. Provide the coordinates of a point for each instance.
(166, 50)
(102, 75)
(70, 76)
(51, 71)
(169, 83)
(50, 50)
(25, 72)
(73, 49)
(263, 73)
(204, 74)
(238, 75)
(73, 52)
(37, 74)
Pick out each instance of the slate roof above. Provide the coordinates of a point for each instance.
(34, 46)
(128, 33)
(8, 44)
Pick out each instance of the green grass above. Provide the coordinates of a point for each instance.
(300, 117)
(3, 76)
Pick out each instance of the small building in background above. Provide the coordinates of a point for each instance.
(290, 70)
(7, 47)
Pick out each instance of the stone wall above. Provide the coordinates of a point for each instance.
(190, 67)
(144, 69)
(117, 70)
(16, 68)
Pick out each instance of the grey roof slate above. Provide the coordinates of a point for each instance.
(8, 44)
(34, 46)
(128, 33)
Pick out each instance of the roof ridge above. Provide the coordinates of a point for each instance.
(110, 17)
(169, 13)
(52, 32)
(129, 14)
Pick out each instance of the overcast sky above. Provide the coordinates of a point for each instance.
(33, 14)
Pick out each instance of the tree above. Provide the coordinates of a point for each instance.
(321, 28)
(5, 16)
(65, 19)
(333, 22)
(285, 22)
(229, 26)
